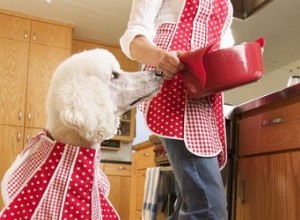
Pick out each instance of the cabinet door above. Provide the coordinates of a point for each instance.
(268, 187)
(51, 34)
(126, 64)
(119, 176)
(11, 144)
(126, 129)
(29, 133)
(42, 62)
(120, 194)
(13, 75)
(14, 27)
(141, 178)
(141, 160)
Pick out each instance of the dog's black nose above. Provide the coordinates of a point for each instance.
(159, 73)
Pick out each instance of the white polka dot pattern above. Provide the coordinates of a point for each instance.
(25, 203)
(30, 164)
(55, 193)
(78, 200)
(173, 114)
(108, 213)
(63, 185)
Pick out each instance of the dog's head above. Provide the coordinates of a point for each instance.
(89, 92)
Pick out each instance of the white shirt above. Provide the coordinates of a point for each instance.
(147, 15)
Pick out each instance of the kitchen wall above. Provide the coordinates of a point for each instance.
(272, 81)
(124, 154)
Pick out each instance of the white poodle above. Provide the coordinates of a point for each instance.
(57, 175)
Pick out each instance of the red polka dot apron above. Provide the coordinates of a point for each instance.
(172, 113)
(50, 180)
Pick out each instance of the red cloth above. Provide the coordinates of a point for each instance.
(53, 180)
(173, 114)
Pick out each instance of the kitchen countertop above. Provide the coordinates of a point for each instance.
(277, 96)
(115, 161)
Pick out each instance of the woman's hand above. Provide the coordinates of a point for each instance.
(169, 64)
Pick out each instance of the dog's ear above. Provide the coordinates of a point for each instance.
(92, 118)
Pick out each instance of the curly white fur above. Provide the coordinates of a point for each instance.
(88, 93)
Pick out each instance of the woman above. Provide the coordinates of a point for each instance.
(191, 129)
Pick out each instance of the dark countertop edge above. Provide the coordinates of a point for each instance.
(268, 99)
(116, 161)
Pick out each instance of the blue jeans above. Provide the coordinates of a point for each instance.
(200, 190)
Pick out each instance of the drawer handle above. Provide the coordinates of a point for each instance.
(34, 37)
(272, 121)
(20, 115)
(27, 138)
(241, 190)
(29, 116)
(25, 34)
(19, 136)
(146, 154)
(121, 168)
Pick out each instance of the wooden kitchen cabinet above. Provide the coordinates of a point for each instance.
(14, 27)
(30, 51)
(42, 62)
(11, 144)
(50, 44)
(13, 74)
(79, 45)
(268, 187)
(119, 176)
(51, 34)
(268, 144)
(142, 158)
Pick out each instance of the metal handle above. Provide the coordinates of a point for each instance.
(27, 137)
(20, 115)
(241, 191)
(29, 116)
(19, 136)
(146, 154)
(25, 34)
(272, 121)
(121, 168)
(34, 36)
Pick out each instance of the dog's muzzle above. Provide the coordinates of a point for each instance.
(159, 73)
(156, 73)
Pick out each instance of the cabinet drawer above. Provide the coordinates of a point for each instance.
(14, 27)
(145, 158)
(273, 130)
(117, 169)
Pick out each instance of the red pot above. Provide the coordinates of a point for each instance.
(207, 73)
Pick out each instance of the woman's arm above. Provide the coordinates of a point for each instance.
(137, 43)
(145, 52)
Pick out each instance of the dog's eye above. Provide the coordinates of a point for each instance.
(115, 75)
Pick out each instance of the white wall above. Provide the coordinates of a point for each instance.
(270, 83)
(124, 154)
